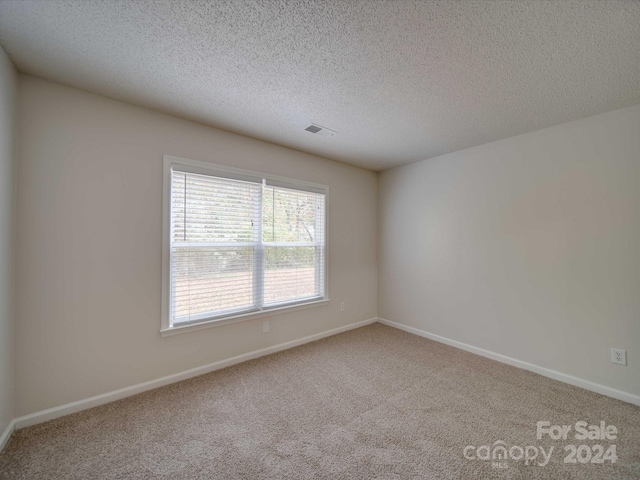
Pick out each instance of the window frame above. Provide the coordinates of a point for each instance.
(206, 168)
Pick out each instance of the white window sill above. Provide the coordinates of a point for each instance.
(175, 330)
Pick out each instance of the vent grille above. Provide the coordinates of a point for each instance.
(320, 131)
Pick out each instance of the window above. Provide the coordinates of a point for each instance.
(239, 243)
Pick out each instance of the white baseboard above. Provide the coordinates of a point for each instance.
(562, 377)
(55, 412)
(4, 438)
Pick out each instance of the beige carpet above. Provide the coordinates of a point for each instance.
(370, 403)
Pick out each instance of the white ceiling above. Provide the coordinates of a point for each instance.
(400, 81)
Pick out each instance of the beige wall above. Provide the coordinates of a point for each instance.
(8, 87)
(528, 247)
(89, 245)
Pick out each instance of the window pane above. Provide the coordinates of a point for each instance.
(211, 280)
(212, 209)
(292, 216)
(292, 273)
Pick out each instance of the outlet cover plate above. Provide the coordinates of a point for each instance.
(618, 356)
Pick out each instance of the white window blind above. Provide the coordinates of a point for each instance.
(293, 239)
(239, 246)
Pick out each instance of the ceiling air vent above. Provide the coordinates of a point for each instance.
(320, 131)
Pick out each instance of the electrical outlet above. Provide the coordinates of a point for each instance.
(618, 356)
(265, 326)
(342, 307)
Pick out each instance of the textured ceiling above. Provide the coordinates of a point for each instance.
(400, 81)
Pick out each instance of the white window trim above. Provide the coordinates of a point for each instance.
(195, 166)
